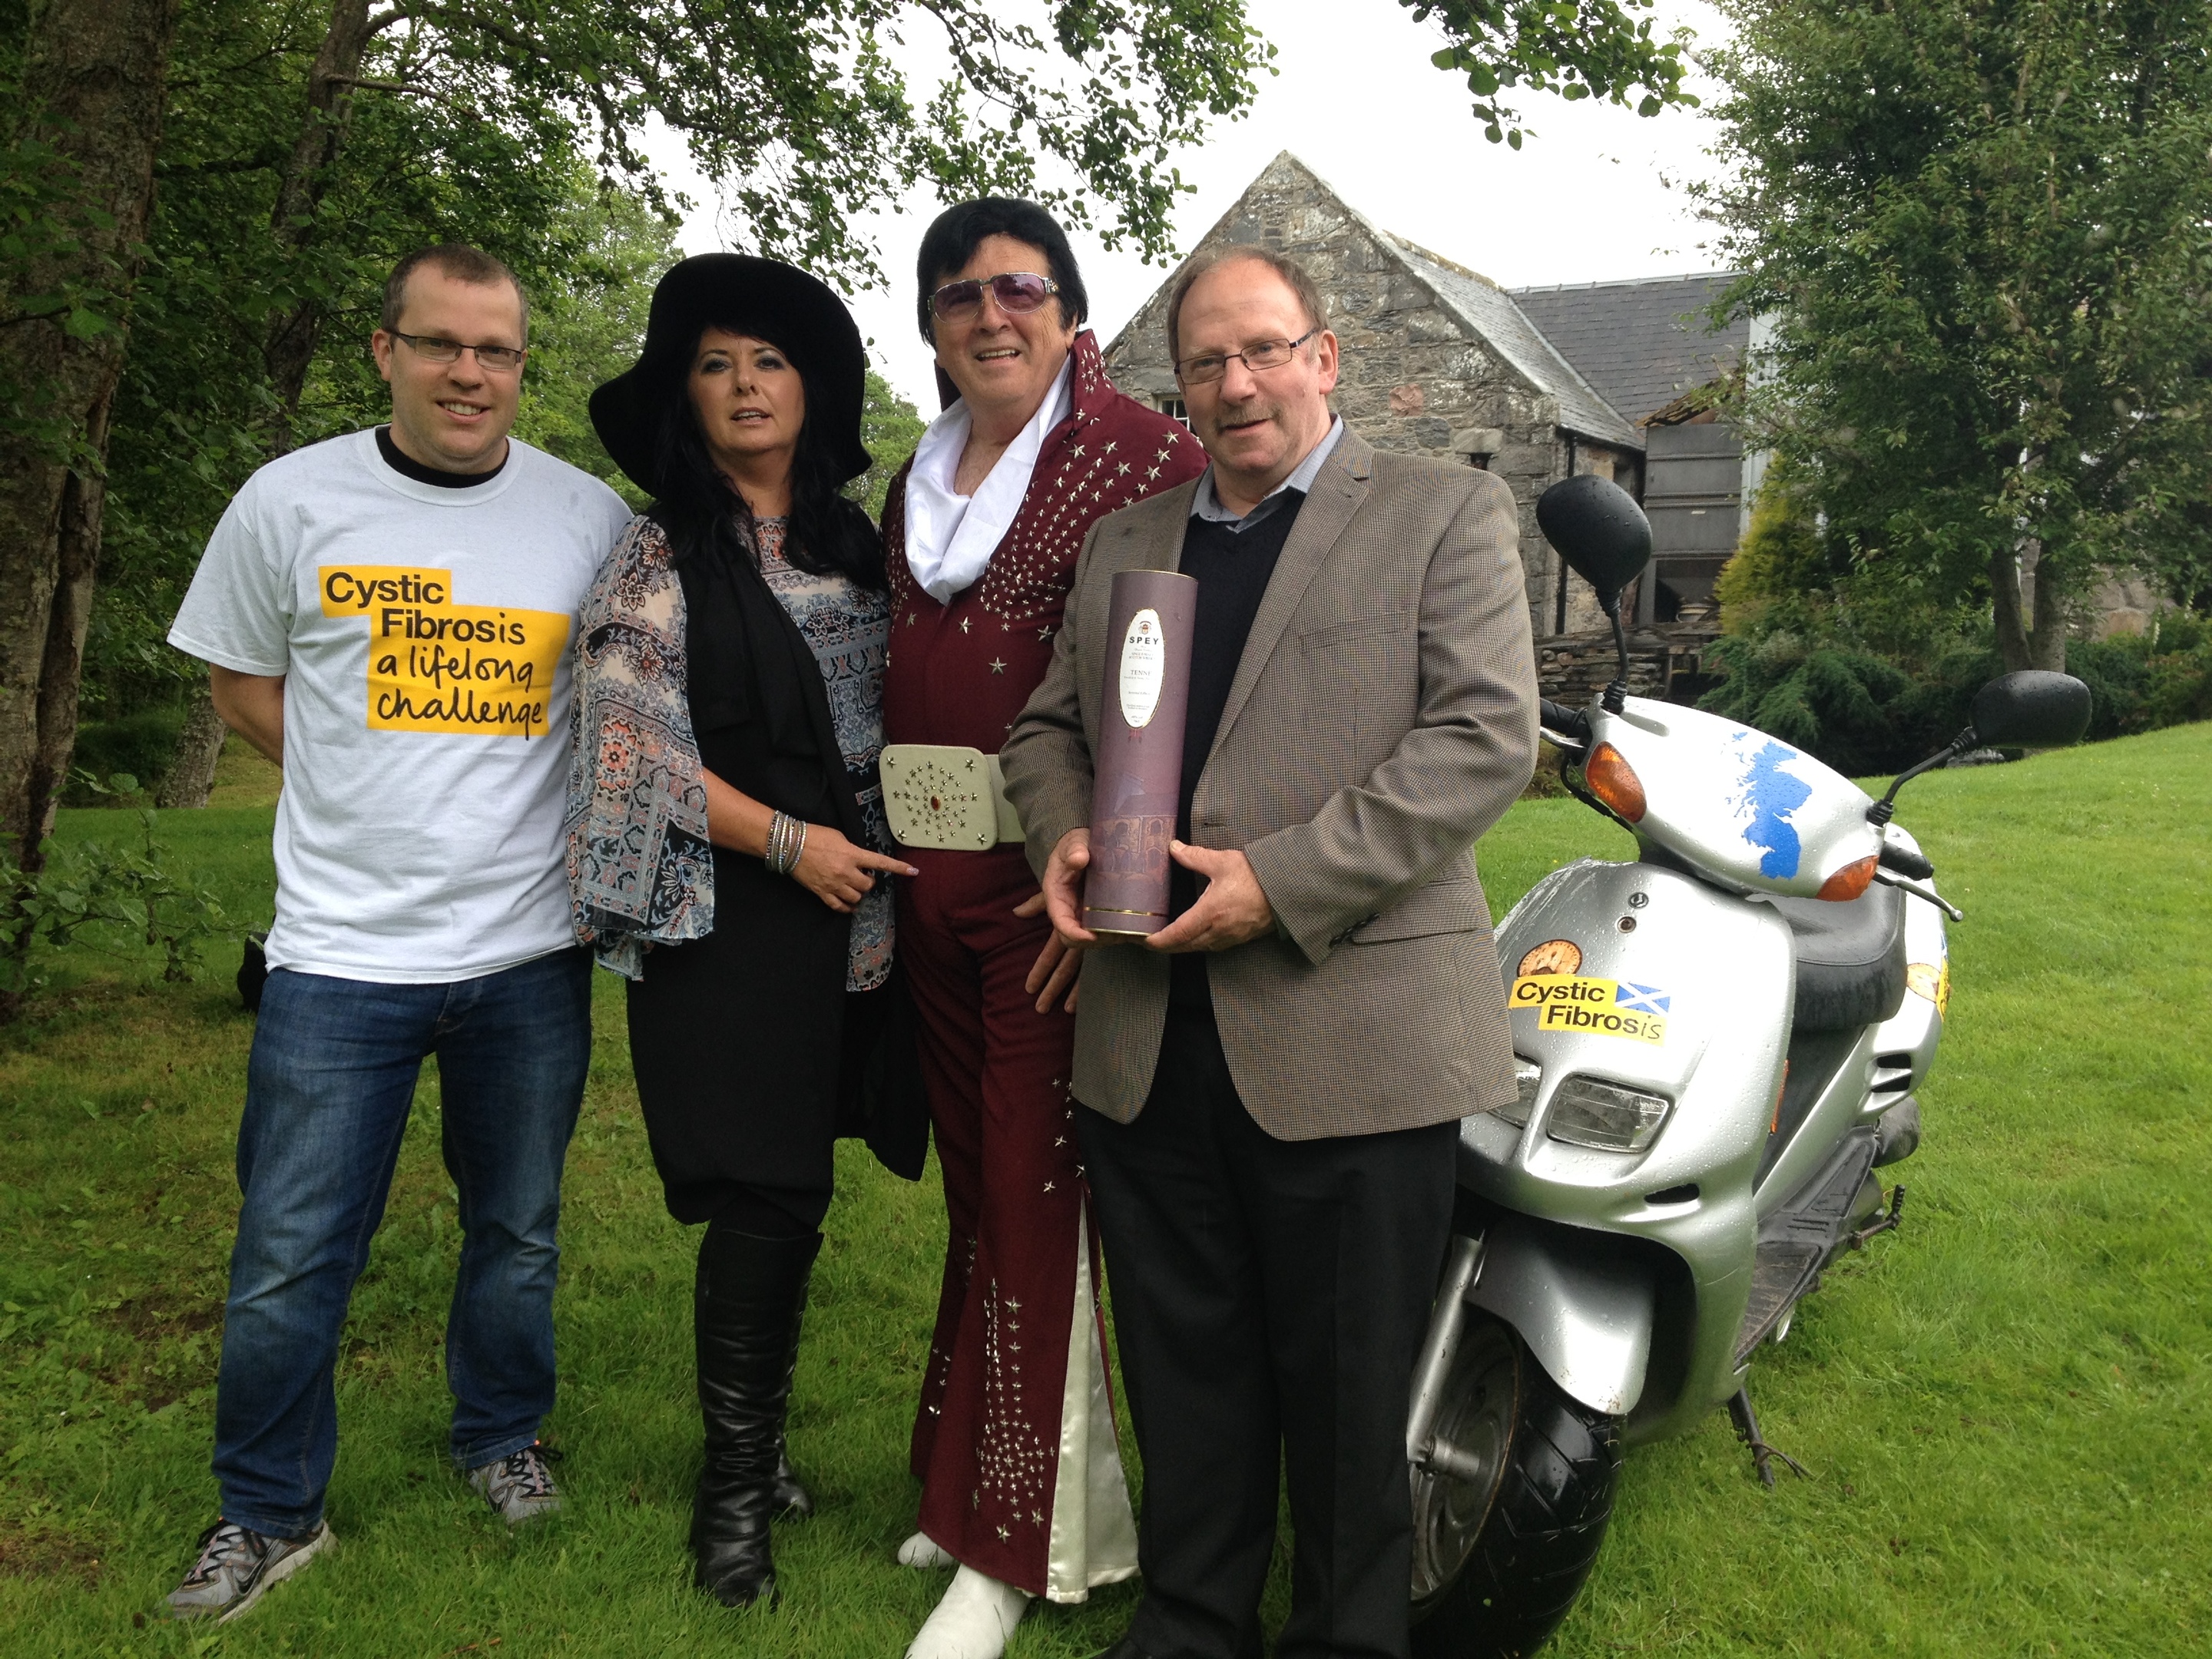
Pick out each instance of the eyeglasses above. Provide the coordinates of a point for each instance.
(1209, 366)
(1018, 292)
(501, 360)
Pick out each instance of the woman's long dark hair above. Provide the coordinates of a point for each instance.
(697, 508)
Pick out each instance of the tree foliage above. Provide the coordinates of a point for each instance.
(1576, 49)
(1984, 229)
(801, 107)
(308, 143)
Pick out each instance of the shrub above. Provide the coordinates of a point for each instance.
(119, 896)
(1865, 715)
(142, 745)
(2138, 682)
(1849, 707)
(1779, 569)
(1870, 675)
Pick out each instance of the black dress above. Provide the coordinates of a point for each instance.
(751, 1057)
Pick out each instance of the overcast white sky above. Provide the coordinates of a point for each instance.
(1595, 193)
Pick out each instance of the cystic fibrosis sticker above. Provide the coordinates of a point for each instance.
(435, 665)
(1605, 1007)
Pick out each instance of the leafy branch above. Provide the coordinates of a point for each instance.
(1575, 49)
(98, 891)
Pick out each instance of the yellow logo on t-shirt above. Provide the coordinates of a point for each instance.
(437, 666)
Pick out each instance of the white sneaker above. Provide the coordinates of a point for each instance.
(923, 1551)
(973, 1621)
(236, 1564)
(520, 1487)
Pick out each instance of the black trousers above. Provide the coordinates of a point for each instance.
(1269, 1297)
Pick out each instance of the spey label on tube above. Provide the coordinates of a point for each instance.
(1142, 705)
(1143, 668)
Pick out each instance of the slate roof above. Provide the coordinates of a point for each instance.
(1490, 313)
(1631, 339)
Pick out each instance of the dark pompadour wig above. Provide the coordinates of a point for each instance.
(951, 242)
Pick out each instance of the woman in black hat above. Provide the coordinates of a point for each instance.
(727, 849)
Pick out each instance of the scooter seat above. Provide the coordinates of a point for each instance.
(1850, 958)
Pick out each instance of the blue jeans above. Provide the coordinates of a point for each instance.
(327, 1092)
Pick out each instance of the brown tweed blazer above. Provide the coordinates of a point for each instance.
(1382, 716)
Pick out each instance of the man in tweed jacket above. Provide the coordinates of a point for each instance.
(1270, 1086)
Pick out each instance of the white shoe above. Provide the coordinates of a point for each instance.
(973, 1621)
(923, 1551)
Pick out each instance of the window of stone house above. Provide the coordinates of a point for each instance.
(1174, 407)
(1479, 462)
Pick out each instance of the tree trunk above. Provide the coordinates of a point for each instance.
(99, 69)
(2044, 647)
(289, 350)
(192, 775)
(2005, 603)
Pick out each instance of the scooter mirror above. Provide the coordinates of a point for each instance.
(1599, 531)
(2031, 709)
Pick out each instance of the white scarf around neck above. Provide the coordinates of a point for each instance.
(950, 539)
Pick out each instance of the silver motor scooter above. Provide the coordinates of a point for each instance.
(1717, 1048)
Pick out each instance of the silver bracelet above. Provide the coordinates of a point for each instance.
(786, 841)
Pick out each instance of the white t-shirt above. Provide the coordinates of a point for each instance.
(423, 636)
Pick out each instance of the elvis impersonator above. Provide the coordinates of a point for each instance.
(1014, 1442)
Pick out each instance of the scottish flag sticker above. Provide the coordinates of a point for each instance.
(1641, 999)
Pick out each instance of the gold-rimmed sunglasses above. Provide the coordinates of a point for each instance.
(1018, 292)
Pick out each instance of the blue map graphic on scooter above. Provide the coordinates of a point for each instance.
(1767, 794)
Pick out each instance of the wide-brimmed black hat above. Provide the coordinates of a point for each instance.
(764, 298)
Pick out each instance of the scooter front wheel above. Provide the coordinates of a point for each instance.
(1508, 1517)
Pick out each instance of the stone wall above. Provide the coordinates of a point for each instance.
(2121, 602)
(1576, 666)
(1412, 380)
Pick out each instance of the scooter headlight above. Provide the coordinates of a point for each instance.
(1527, 1076)
(1605, 1116)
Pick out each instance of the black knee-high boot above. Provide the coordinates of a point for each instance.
(746, 1313)
(792, 1501)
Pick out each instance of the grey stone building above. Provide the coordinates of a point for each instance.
(1645, 347)
(1440, 360)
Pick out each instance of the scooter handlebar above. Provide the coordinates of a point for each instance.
(1895, 855)
(1568, 722)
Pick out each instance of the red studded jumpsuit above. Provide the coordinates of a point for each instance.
(989, 1435)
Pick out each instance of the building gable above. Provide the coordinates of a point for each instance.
(1432, 350)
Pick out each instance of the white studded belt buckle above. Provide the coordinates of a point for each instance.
(942, 796)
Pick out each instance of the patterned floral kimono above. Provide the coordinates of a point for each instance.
(1014, 1440)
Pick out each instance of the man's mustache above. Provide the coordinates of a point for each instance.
(1230, 415)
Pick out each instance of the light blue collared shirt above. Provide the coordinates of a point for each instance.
(1206, 505)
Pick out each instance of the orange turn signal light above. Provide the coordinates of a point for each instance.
(1848, 883)
(1614, 780)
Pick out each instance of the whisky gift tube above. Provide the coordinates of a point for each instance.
(1140, 768)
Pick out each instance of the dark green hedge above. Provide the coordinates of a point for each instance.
(1865, 715)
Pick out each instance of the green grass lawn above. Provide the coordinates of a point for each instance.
(2007, 1408)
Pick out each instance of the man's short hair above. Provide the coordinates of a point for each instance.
(1293, 273)
(951, 242)
(460, 261)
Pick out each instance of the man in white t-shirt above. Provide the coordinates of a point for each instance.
(387, 615)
